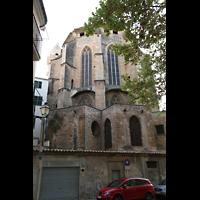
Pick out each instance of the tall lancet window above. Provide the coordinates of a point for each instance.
(113, 67)
(86, 77)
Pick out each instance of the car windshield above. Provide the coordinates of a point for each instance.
(163, 182)
(115, 183)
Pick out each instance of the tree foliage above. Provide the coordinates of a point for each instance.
(144, 25)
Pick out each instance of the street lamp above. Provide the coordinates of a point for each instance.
(44, 111)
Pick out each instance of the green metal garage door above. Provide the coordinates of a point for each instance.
(59, 183)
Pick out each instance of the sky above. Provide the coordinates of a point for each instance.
(63, 16)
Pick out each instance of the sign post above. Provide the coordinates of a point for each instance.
(127, 163)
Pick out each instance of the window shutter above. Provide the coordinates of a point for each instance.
(39, 103)
(40, 84)
(36, 84)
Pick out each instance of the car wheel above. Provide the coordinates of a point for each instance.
(117, 197)
(148, 196)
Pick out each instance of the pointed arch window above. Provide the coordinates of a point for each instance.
(113, 67)
(86, 73)
(108, 136)
(135, 131)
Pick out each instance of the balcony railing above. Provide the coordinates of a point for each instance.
(37, 38)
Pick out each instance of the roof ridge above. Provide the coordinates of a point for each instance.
(102, 151)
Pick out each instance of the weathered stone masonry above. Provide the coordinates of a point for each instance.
(97, 128)
(77, 104)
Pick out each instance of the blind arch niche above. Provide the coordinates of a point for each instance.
(108, 136)
(135, 131)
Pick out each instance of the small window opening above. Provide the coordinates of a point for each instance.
(72, 84)
(56, 54)
(151, 164)
(82, 34)
(160, 129)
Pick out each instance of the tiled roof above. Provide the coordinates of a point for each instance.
(102, 152)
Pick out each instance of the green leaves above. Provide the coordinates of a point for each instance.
(144, 25)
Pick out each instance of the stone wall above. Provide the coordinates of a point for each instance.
(119, 116)
(92, 142)
(54, 82)
(100, 94)
(70, 134)
(160, 139)
(99, 167)
(67, 98)
(76, 128)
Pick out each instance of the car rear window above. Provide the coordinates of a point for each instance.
(163, 182)
(140, 182)
(144, 182)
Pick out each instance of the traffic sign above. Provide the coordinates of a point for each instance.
(82, 171)
(127, 162)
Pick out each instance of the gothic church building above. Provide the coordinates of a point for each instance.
(92, 130)
(86, 98)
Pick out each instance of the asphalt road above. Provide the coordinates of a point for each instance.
(156, 198)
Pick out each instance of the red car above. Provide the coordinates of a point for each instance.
(127, 188)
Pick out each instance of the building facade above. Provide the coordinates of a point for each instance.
(79, 174)
(92, 129)
(39, 22)
(85, 92)
(40, 97)
(88, 67)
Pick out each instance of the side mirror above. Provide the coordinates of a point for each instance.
(124, 186)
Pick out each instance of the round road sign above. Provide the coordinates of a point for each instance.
(127, 162)
(82, 170)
